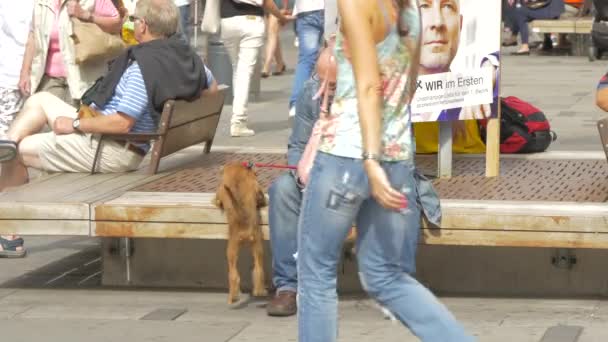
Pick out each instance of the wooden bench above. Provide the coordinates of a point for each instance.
(61, 204)
(578, 27)
(575, 25)
(472, 223)
(181, 124)
(165, 209)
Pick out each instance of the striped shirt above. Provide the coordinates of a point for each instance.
(131, 98)
(603, 82)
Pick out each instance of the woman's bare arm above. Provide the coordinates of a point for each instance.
(358, 29)
(26, 66)
(271, 7)
(107, 24)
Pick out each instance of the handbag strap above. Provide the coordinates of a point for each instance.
(324, 87)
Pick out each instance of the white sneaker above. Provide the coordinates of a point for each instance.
(296, 42)
(292, 112)
(240, 129)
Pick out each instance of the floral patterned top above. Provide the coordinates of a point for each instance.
(341, 133)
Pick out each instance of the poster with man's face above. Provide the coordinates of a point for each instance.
(459, 60)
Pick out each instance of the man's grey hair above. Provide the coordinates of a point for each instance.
(161, 16)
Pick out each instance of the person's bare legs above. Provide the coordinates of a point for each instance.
(40, 109)
(278, 53)
(272, 45)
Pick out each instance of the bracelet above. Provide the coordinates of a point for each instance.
(370, 156)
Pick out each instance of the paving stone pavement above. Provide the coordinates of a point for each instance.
(116, 315)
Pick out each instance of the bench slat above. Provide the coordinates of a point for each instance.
(184, 112)
(429, 236)
(48, 190)
(59, 227)
(190, 134)
(514, 239)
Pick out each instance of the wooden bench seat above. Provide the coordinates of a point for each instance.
(568, 25)
(465, 222)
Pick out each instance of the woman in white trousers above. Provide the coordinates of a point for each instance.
(242, 31)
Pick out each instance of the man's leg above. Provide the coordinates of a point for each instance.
(40, 109)
(283, 214)
(309, 29)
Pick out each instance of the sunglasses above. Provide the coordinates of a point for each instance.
(133, 18)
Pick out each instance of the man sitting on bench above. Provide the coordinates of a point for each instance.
(129, 99)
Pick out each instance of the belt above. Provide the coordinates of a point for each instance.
(132, 147)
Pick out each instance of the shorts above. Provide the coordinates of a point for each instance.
(76, 152)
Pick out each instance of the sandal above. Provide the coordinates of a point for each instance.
(9, 248)
(8, 150)
(265, 74)
(280, 72)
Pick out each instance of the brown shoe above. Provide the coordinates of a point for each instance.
(283, 304)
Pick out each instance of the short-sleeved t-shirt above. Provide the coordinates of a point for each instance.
(603, 82)
(131, 98)
(54, 64)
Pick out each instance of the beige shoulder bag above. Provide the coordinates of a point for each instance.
(92, 44)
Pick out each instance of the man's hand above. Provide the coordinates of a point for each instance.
(63, 125)
(285, 18)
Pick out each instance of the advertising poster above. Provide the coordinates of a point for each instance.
(459, 62)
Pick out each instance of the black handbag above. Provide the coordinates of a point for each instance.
(536, 4)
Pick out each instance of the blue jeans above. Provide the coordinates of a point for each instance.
(184, 20)
(309, 30)
(337, 196)
(286, 196)
(517, 18)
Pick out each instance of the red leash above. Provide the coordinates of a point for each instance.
(270, 166)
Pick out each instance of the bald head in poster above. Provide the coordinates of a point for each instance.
(441, 26)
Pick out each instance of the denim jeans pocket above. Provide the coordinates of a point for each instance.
(343, 200)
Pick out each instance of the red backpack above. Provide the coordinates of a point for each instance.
(523, 127)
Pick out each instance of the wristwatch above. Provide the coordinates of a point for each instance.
(76, 125)
(370, 156)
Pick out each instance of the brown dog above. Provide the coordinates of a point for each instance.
(240, 196)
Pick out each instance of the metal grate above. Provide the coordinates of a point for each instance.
(204, 176)
(520, 180)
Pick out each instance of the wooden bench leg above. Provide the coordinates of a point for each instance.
(208, 144)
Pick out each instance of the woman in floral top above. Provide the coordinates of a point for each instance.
(364, 173)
